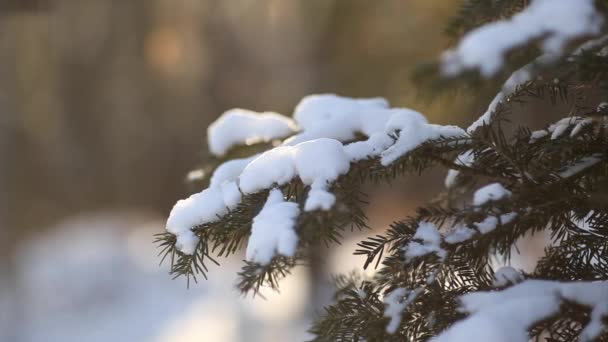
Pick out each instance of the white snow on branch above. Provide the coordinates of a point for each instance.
(244, 127)
(589, 45)
(395, 304)
(538, 135)
(230, 170)
(464, 159)
(460, 233)
(396, 301)
(430, 242)
(490, 192)
(579, 126)
(341, 118)
(506, 315)
(413, 130)
(558, 128)
(372, 147)
(552, 22)
(273, 230)
(203, 207)
(491, 222)
(507, 275)
(316, 155)
(583, 164)
(338, 117)
(318, 163)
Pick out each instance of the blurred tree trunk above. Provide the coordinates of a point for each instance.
(21, 6)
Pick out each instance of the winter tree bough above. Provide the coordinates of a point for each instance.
(435, 281)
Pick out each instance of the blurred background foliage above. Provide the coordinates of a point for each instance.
(105, 103)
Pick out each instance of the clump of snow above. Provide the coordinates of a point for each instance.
(203, 207)
(507, 275)
(273, 167)
(430, 242)
(319, 199)
(459, 233)
(338, 117)
(589, 45)
(491, 222)
(553, 22)
(318, 163)
(506, 315)
(490, 192)
(272, 230)
(582, 164)
(230, 170)
(558, 128)
(413, 129)
(582, 123)
(372, 147)
(231, 194)
(536, 135)
(464, 159)
(508, 217)
(487, 225)
(395, 302)
(241, 126)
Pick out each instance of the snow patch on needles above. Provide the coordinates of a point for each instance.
(553, 22)
(230, 170)
(430, 242)
(200, 208)
(241, 126)
(273, 230)
(506, 315)
(581, 165)
(464, 159)
(460, 233)
(507, 275)
(317, 163)
(491, 222)
(395, 303)
(490, 192)
(413, 130)
(557, 129)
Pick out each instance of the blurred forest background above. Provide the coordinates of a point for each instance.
(105, 103)
(104, 107)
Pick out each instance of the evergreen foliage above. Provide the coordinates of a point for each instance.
(558, 182)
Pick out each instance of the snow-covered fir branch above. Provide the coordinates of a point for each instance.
(435, 278)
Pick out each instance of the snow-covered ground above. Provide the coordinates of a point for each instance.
(95, 278)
